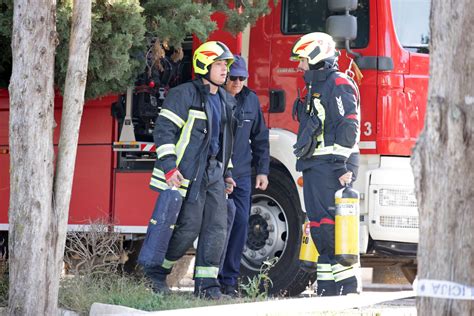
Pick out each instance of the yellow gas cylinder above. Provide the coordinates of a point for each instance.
(308, 252)
(347, 226)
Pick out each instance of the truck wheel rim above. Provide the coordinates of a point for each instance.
(267, 232)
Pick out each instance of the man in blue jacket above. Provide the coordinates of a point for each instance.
(193, 137)
(251, 148)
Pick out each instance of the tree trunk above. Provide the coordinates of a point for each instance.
(443, 160)
(73, 104)
(32, 263)
(38, 217)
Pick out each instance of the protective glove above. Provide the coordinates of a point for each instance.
(306, 142)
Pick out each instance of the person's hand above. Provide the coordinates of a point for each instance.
(174, 178)
(229, 185)
(346, 178)
(261, 182)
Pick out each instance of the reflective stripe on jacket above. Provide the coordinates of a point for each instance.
(182, 136)
(336, 100)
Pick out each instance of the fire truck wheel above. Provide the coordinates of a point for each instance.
(132, 247)
(410, 272)
(275, 232)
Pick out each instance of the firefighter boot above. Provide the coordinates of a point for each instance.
(346, 279)
(325, 288)
(230, 290)
(348, 286)
(212, 294)
(160, 287)
(208, 288)
(158, 280)
(325, 285)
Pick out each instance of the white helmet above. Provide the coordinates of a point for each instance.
(315, 46)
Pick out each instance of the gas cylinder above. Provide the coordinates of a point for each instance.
(347, 226)
(308, 252)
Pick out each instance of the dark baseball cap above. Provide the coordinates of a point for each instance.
(238, 67)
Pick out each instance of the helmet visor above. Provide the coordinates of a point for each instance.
(295, 58)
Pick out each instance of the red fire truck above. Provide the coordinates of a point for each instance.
(116, 153)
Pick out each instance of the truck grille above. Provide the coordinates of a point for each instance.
(399, 221)
(397, 197)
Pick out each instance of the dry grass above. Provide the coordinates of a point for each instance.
(3, 274)
(97, 250)
(79, 293)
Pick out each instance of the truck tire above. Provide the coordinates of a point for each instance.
(410, 271)
(275, 225)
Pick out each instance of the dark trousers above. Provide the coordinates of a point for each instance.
(320, 185)
(205, 217)
(238, 234)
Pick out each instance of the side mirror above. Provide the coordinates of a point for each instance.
(342, 27)
(342, 5)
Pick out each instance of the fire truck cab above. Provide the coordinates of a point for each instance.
(388, 39)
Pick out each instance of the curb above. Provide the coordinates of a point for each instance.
(294, 306)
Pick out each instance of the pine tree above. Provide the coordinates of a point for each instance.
(241, 13)
(172, 21)
(6, 22)
(118, 37)
(123, 29)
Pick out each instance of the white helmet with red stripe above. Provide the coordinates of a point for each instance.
(315, 46)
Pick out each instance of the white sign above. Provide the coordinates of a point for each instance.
(444, 289)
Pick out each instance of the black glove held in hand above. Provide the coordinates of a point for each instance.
(308, 131)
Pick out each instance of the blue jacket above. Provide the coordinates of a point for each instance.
(250, 126)
(182, 136)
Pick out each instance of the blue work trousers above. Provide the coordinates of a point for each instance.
(238, 236)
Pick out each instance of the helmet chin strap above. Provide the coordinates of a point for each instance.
(208, 78)
(327, 63)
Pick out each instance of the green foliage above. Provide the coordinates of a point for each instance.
(172, 21)
(122, 30)
(117, 44)
(6, 15)
(258, 286)
(118, 37)
(245, 12)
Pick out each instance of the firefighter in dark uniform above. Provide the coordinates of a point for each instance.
(327, 151)
(251, 147)
(193, 137)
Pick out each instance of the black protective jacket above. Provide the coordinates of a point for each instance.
(336, 101)
(182, 136)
